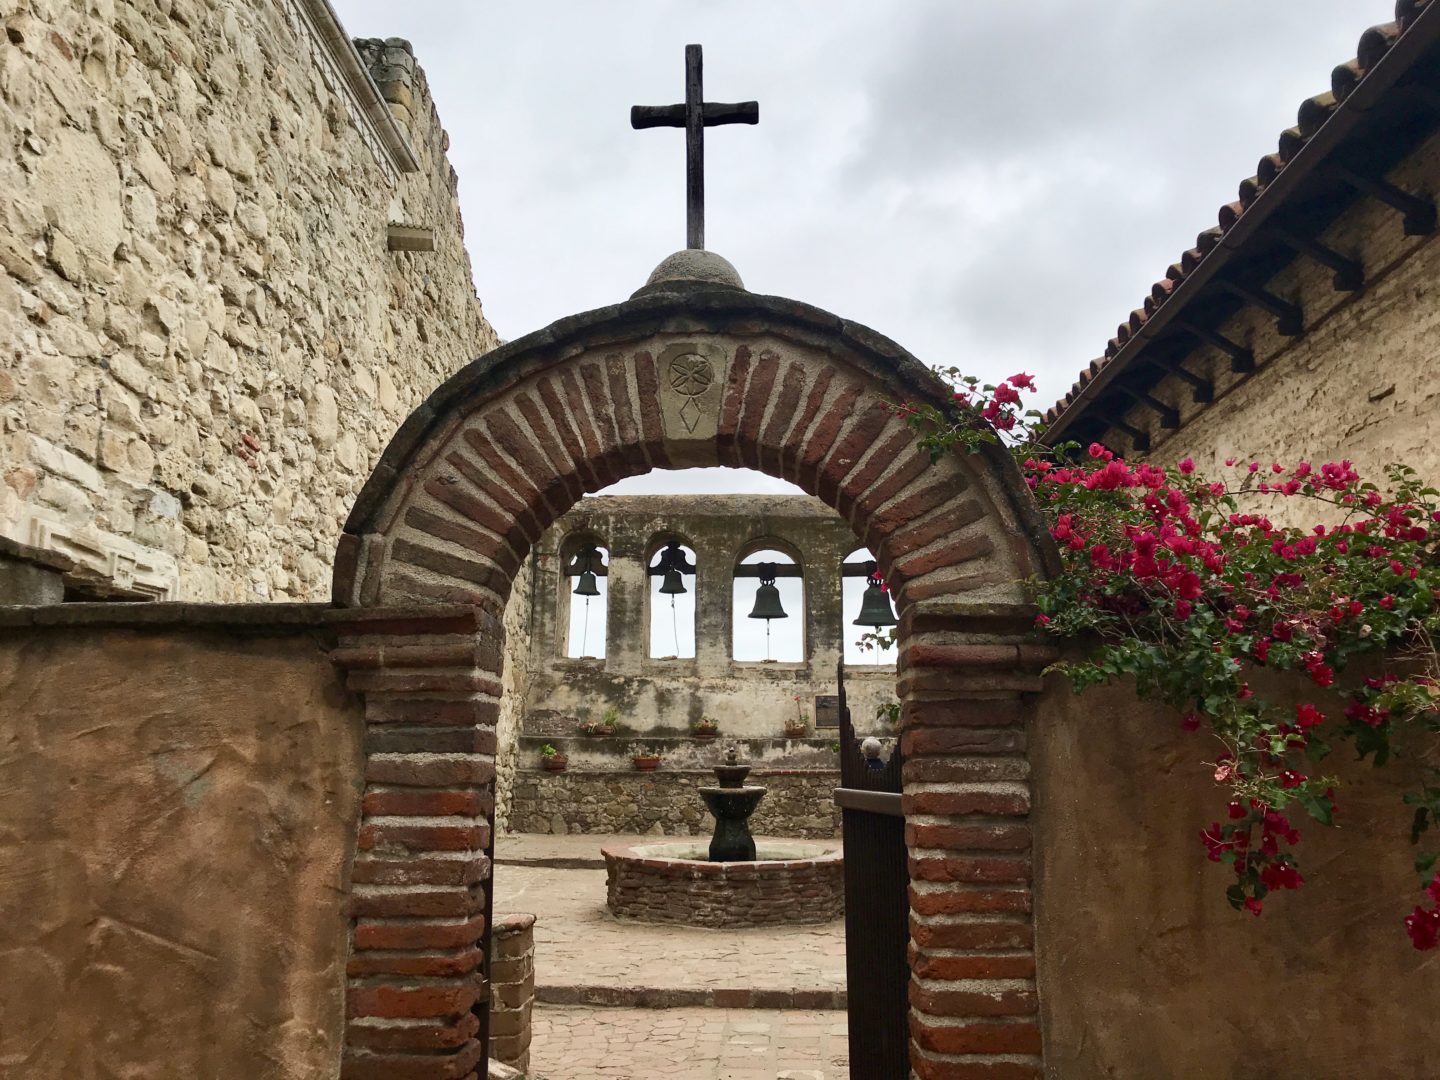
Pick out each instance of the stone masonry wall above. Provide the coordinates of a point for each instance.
(1361, 383)
(799, 803)
(512, 989)
(204, 339)
(515, 684)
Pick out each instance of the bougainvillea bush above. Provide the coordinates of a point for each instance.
(1189, 587)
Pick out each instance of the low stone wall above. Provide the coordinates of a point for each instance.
(512, 989)
(667, 803)
(793, 884)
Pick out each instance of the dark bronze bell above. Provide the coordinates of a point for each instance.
(767, 596)
(673, 585)
(585, 562)
(875, 609)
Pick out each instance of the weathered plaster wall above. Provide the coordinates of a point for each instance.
(1144, 969)
(204, 340)
(1361, 383)
(178, 805)
(666, 696)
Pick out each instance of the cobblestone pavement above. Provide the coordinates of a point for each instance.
(577, 1043)
(578, 941)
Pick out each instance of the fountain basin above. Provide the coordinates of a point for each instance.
(788, 883)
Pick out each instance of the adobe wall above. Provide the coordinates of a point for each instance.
(179, 804)
(205, 341)
(1145, 970)
(1361, 383)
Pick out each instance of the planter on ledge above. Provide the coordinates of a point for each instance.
(646, 762)
(554, 763)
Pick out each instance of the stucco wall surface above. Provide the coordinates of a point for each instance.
(204, 339)
(1146, 971)
(177, 808)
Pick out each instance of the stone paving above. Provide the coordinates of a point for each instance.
(578, 943)
(578, 1043)
(583, 955)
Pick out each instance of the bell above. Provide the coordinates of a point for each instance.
(875, 609)
(673, 585)
(767, 596)
(587, 586)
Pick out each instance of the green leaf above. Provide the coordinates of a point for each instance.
(1319, 809)
(1236, 895)
(1317, 749)
(1419, 824)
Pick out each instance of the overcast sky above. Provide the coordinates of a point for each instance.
(993, 184)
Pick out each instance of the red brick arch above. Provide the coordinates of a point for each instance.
(512, 442)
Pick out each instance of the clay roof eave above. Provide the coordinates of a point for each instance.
(1418, 37)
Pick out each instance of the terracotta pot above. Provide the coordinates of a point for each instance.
(554, 763)
(602, 733)
(796, 733)
(647, 763)
(706, 736)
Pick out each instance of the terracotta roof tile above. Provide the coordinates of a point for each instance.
(1313, 113)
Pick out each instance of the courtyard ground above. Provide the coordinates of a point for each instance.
(630, 1000)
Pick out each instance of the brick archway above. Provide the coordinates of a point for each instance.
(511, 442)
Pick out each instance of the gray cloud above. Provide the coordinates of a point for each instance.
(992, 184)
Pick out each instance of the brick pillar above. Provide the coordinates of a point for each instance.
(974, 1013)
(431, 681)
(512, 989)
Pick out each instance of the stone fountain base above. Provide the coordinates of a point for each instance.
(788, 883)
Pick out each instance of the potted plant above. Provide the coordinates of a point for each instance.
(603, 727)
(552, 760)
(706, 729)
(796, 729)
(798, 726)
(643, 758)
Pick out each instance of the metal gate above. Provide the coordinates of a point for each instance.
(877, 908)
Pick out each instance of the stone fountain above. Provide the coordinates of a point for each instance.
(734, 883)
(732, 802)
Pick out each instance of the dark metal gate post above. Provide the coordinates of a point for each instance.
(877, 882)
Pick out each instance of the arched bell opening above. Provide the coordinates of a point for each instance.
(769, 612)
(673, 587)
(583, 606)
(868, 619)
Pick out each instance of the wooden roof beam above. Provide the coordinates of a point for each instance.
(1138, 439)
(1349, 274)
(1242, 360)
(1419, 212)
(1169, 418)
(1289, 319)
(1202, 390)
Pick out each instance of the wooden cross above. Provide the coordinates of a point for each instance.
(694, 116)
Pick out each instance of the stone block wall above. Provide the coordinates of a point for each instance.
(205, 341)
(512, 989)
(799, 802)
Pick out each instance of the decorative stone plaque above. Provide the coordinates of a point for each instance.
(692, 380)
(827, 711)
